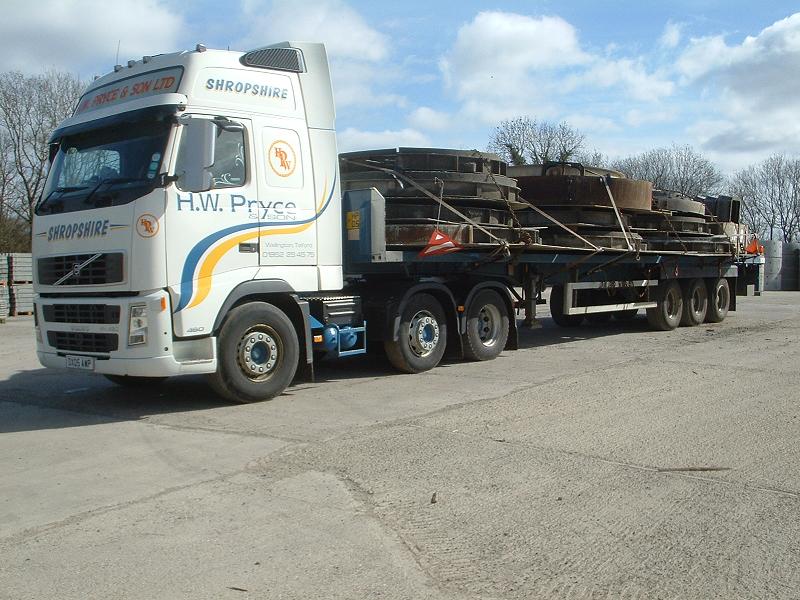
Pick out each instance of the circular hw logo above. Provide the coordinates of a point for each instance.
(281, 158)
(147, 225)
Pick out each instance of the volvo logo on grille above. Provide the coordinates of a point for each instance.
(77, 268)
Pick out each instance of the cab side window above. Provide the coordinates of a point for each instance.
(229, 168)
(230, 161)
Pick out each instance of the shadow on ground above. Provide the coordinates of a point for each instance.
(49, 399)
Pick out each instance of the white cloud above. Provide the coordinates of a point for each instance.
(429, 119)
(344, 32)
(356, 50)
(637, 117)
(78, 35)
(628, 74)
(355, 139)
(504, 64)
(671, 35)
(590, 123)
(751, 89)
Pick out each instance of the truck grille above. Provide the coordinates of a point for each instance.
(106, 314)
(75, 341)
(105, 269)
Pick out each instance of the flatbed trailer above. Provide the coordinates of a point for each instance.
(586, 284)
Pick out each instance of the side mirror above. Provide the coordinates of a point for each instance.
(198, 143)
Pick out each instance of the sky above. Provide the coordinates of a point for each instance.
(720, 75)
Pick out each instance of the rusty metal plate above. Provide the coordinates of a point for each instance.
(561, 190)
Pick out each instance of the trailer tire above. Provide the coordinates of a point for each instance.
(258, 352)
(626, 315)
(695, 303)
(487, 326)
(131, 381)
(422, 336)
(667, 315)
(719, 300)
(557, 309)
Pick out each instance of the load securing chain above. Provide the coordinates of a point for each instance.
(541, 212)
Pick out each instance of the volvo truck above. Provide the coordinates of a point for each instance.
(193, 222)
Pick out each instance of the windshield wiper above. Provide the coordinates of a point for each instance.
(109, 180)
(60, 190)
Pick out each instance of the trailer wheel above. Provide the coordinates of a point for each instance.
(557, 309)
(626, 315)
(695, 303)
(667, 315)
(134, 382)
(487, 326)
(257, 354)
(719, 300)
(422, 337)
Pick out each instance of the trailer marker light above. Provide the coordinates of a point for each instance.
(163, 303)
(317, 339)
(460, 308)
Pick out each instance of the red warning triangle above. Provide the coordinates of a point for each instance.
(440, 243)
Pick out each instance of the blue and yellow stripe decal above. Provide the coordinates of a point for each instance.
(220, 242)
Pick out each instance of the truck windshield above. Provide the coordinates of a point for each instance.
(104, 167)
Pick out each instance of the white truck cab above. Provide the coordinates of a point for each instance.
(181, 184)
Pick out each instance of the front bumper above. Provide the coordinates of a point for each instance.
(159, 356)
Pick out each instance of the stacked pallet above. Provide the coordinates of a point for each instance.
(3, 287)
(478, 198)
(16, 270)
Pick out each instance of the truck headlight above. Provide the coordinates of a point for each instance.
(137, 325)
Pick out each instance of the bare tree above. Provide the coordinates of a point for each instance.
(770, 194)
(677, 168)
(30, 108)
(524, 140)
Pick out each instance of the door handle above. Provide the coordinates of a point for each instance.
(248, 247)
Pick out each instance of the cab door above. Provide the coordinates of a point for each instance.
(213, 234)
(287, 202)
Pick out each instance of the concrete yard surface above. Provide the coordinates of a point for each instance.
(607, 461)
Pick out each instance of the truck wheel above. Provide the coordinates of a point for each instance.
(422, 337)
(257, 354)
(695, 303)
(557, 309)
(719, 300)
(667, 315)
(487, 326)
(134, 382)
(625, 315)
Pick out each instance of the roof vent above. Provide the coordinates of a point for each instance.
(282, 59)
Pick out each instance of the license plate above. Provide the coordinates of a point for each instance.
(84, 363)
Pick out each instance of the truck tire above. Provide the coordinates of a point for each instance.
(719, 300)
(695, 303)
(422, 337)
(134, 382)
(557, 309)
(667, 315)
(487, 326)
(257, 354)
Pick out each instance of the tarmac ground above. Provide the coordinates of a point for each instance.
(608, 461)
